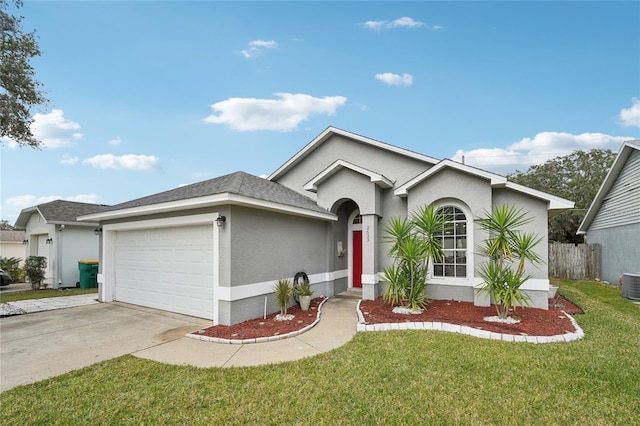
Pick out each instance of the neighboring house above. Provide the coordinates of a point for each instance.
(52, 231)
(613, 219)
(215, 248)
(12, 244)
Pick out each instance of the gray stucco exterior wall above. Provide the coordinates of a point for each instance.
(267, 246)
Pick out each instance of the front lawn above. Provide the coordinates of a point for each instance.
(396, 377)
(41, 294)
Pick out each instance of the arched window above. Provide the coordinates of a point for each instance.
(454, 243)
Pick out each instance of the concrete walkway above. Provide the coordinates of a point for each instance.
(47, 304)
(336, 327)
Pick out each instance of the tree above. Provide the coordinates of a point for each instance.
(5, 225)
(576, 177)
(19, 90)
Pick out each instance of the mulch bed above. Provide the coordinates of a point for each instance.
(261, 327)
(534, 322)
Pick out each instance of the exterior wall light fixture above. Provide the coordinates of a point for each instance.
(97, 231)
(220, 220)
(49, 240)
(25, 241)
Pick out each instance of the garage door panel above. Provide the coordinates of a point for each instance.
(167, 268)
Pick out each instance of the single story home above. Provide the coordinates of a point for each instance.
(214, 249)
(52, 231)
(12, 244)
(613, 219)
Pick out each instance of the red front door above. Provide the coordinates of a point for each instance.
(357, 259)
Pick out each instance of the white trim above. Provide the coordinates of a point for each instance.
(231, 294)
(370, 279)
(555, 203)
(226, 198)
(338, 165)
(330, 131)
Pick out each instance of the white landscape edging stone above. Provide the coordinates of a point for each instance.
(475, 332)
(261, 339)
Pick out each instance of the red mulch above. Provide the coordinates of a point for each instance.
(260, 327)
(533, 322)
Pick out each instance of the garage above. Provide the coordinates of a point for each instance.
(169, 268)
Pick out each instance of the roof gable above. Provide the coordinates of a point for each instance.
(496, 181)
(60, 212)
(331, 131)
(338, 165)
(616, 168)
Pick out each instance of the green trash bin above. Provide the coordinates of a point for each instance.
(88, 273)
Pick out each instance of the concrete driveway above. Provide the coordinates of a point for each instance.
(36, 346)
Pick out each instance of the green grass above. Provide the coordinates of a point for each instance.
(41, 294)
(397, 377)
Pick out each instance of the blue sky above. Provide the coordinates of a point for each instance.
(148, 96)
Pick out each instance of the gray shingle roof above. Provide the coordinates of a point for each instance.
(239, 183)
(62, 211)
(11, 236)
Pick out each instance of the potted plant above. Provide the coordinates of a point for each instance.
(304, 293)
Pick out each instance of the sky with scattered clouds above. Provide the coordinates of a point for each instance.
(149, 96)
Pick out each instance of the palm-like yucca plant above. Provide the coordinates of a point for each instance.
(11, 265)
(504, 246)
(430, 223)
(283, 289)
(415, 243)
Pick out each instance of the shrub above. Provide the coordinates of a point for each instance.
(34, 269)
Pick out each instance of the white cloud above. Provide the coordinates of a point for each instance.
(28, 200)
(374, 25)
(630, 117)
(537, 150)
(67, 159)
(281, 114)
(115, 142)
(257, 47)
(403, 22)
(54, 130)
(395, 79)
(129, 162)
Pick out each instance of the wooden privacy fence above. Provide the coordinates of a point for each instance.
(575, 262)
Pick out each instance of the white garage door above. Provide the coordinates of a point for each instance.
(166, 268)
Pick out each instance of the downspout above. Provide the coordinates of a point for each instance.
(59, 256)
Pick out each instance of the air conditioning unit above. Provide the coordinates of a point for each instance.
(631, 286)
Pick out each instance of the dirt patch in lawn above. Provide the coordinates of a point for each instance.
(533, 322)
